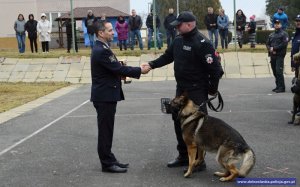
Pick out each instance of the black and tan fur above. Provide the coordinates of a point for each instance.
(203, 133)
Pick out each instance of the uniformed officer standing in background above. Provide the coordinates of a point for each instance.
(296, 46)
(196, 69)
(277, 45)
(106, 91)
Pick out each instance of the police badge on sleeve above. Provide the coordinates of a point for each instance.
(209, 58)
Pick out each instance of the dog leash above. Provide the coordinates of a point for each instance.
(220, 106)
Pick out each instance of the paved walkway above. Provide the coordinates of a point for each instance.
(77, 69)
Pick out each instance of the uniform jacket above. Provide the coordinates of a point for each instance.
(279, 41)
(122, 30)
(195, 62)
(149, 21)
(106, 73)
(30, 27)
(295, 46)
(44, 30)
(169, 19)
(135, 23)
(211, 19)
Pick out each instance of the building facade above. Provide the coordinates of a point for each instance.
(10, 9)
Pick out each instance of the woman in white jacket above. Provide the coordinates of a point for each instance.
(44, 30)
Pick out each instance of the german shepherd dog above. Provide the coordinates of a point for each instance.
(296, 101)
(203, 133)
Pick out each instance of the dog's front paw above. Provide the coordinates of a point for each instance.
(221, 174)
(223, 179)
(187, 174)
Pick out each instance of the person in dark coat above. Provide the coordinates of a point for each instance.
(89, 22)
(150, 27)
(68, 25)
(296, 46)
(240, 27)
(211, 20)
(170, 29)
(197, 72)
(106, 91)
(252, 31)
(277, 45)
(30, 27)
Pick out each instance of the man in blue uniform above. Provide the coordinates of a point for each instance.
(296, 46)
(106, 73)
(196, 69)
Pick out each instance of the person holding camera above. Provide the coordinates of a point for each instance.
(197, 72)
(106, 73)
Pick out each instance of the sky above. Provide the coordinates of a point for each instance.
(249, 7)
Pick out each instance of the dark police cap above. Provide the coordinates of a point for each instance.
(184, 16)
(297, 17)
(277, 21)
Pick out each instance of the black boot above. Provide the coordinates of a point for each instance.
(179, 161)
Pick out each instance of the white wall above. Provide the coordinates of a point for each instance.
(10, 9)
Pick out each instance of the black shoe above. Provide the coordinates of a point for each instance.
(279, 90)
(179, 161)
(274, 89)
(114, 169)
(200, 167)
(121, 165)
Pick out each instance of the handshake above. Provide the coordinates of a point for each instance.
(145, 68)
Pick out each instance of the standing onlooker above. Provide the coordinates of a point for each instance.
(277, 45)
(89, 23)
(122, 30)
(240, 26)
(135, 24)
(282, 17)
(252, 31)
(30, 27)
(296, 46)
(68, 25)
(223, 23)
(210, 21)
(19, 27)
(44, 30)
(106, 91)
(149, 24)
(170, 29)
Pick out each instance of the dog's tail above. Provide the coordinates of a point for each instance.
(248, 163)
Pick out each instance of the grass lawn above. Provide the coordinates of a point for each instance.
(16, 94)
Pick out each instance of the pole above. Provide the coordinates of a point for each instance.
(177, 4)
(154, 25)
(73, 31)
(234, 25)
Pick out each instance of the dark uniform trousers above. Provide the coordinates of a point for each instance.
(277, 68)
(197, 96)
(106, 116)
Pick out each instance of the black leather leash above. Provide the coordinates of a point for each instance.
(220, 106)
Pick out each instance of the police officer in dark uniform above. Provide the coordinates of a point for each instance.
(296, 46)
(277, 45)
(197, 72)
(106, 89)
